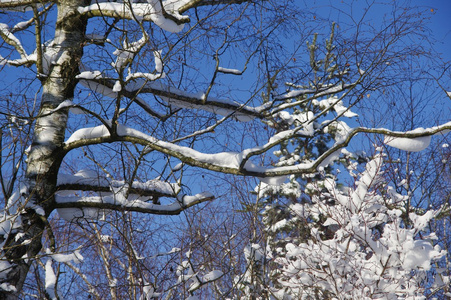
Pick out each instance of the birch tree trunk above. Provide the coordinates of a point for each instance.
(46, 153)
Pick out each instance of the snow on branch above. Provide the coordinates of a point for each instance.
(330, 90)
(26, 61)
(150, 12)
(86, 180)
(239, 163)
(188, 4)
(11, 39)
(107, 90)
(388, 266)
(7, 35)
(150, 76)
(230, 71)
(129, 50)
(76, 207)
(119, 195)
(179, 98)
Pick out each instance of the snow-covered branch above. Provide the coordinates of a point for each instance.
(330, 90)
(230, 71)
(367, 242)
(11, 39)
(7, 35)
(197, 3)
(149, 12)
(76, 207)
(239, 163)
(179, 98)
(119, 195)
(86, 180)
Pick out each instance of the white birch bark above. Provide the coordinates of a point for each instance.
(46, 151)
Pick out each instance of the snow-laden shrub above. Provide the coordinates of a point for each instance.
(363, 244)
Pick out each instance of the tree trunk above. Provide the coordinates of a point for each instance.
(58, 84)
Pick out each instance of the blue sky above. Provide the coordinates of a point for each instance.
(441, 24)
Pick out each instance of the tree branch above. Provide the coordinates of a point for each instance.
(198, 3)
(176, 96)
(231, 162)
(174, 208)
(19, 4)
(144, 11)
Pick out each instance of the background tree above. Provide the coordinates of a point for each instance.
(125, 101)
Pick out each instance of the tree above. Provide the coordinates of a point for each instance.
(129, 96)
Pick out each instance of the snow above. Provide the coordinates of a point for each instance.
(279, 225)
(151, 10)
(189, 200)
(76, 257)
(91, 177)
(329, 160)
(341, 130)
(11, 38)
(175, 5)
(6, 286)
(223, 159)
(69, 214)
(88, 133)
(50, 280)
(254, 252)
(420, 255)
(341, 109)
(98, 88)
(177, 167)
(230, 71)
(286, 116)
(89, 75)
(63, 104)
(392, 265)
(420, 222)
(273, 180)
(149, 76)
(117, 197)
(174, 250)
(337, 105)
(234, 160)
(22, 25)
(294, 94)
(158, 61)
(4, 29)
(96, 37)
(117, 86)
(408, 144)
(180, 99)
(234, 113)
(212, 276)
(148, 291)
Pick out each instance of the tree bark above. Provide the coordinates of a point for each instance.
(46, 154)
